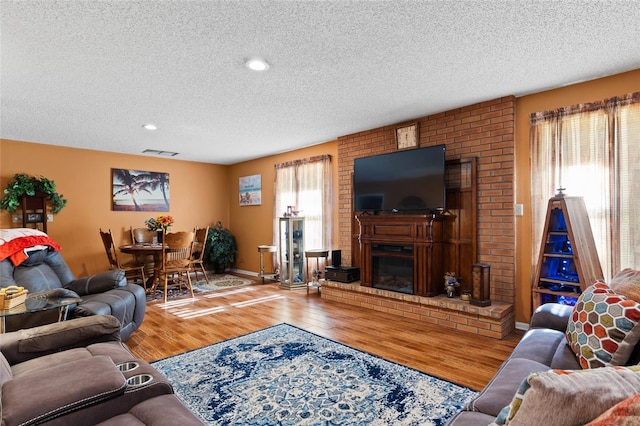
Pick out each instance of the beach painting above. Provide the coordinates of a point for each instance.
(138, 190)
(251, 190)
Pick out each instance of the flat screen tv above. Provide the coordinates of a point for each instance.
(401, 181)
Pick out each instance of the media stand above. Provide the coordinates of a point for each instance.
(342, 274)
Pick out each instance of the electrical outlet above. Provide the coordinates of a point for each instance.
(49, 218)
(519, 209)
(17, 218)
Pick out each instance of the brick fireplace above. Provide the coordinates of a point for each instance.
(484, 131)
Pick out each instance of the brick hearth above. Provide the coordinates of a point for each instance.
(496, 320)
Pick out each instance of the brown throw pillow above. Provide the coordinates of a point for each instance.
(627, 283)
(569, 397)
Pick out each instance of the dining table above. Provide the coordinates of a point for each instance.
(151, 251)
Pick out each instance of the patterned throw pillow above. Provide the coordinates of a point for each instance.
(604, 327)
(625, 413)
(627, 283)
(568, 397)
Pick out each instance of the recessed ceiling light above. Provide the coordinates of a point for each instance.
(150, 126)
(257, 64)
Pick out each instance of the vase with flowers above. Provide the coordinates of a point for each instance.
(160, 224)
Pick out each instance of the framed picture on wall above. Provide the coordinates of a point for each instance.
(34, 217)
(251, 190)
(138, 190)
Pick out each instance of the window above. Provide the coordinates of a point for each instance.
(592, 150)
(306, 184)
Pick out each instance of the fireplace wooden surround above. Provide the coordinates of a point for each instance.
(420, 240)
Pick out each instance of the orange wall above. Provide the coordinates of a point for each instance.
(198, 195)
(589, 91)
(201, 194)
(253, 225)
(83, 176)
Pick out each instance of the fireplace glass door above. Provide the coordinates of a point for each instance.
(392, 268)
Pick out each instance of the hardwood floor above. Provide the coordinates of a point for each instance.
(186, 324)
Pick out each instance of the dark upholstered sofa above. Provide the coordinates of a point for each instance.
(541, 348)
(46, 272)
(573, 366)
(78, 372)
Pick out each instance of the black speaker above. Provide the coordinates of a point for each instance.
(335, 258)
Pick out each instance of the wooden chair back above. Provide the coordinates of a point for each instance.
(176, 260)
(178, 251)
(197, 253)
(109, 247)
(141, 235)
(199, 243)
(131, 269)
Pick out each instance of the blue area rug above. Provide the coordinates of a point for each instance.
(283, 375)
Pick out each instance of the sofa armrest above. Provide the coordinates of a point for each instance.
(22, 345)
(98, 283)
(551, 315)
(49, 393)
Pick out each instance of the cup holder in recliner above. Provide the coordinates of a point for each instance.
(139, 380)
(127, 366)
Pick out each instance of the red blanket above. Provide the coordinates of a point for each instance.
(15, 243)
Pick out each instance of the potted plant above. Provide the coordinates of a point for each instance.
(220, 249)
(23, 184)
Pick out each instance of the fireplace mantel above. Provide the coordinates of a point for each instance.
(424, 233)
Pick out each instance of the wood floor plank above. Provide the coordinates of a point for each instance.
(187, 324)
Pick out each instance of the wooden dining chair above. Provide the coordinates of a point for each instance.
(132, 270)
(197, 253)
(141, 235)
(175, 267)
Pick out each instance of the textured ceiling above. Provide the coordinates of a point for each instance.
(89, 74)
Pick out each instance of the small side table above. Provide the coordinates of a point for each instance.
(317, 272)
(262, 250)
(38, 302)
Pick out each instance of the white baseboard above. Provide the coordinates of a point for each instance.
(243, 272)
(522, 326)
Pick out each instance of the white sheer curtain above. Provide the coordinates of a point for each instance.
(626, 125)
(306, 184)
(593, 151)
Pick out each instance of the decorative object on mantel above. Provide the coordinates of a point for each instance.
(480, 277)
(26, 185)
(450, 283)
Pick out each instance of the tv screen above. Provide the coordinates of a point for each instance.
(401, 181)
